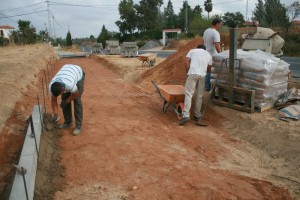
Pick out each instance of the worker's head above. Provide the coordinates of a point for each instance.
(217, 23)
(201, 46)
(56, 89)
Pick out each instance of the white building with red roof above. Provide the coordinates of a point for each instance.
(5, 31)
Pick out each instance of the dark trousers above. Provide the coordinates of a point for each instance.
(207, 82)
(78, 109)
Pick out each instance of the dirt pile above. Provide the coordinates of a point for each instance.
(22, 69)
(170, 70)
(30, 58)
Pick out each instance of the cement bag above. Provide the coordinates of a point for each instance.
(281, 88)
(277, 41)
(292, 111)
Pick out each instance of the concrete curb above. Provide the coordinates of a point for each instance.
(28, 160)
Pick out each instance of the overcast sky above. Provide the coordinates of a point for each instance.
(86, 17)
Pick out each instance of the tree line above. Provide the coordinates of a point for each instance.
(146, 20)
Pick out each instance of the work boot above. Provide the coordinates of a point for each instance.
(197, 119)
(65, 125)
(183, 121)
(76, 131)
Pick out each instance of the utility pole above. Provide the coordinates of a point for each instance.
(186, 17)
(49, 19)
(247, 11)
(54, 35)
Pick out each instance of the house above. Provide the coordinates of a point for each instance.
(5, 31)
(296, 24)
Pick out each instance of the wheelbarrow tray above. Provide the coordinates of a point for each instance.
(172, 93)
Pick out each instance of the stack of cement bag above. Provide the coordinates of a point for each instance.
(254, 70)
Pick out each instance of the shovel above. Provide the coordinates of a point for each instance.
(200, 123)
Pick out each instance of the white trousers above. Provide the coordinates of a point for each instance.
(193, 83)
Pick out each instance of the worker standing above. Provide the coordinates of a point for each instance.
(69, 83)
(211, 40)
(197, 63)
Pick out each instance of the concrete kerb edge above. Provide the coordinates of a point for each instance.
(28, 159)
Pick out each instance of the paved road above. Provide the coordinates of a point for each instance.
(294, 67)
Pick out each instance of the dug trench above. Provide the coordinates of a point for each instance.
(50, 174)
(129, 149)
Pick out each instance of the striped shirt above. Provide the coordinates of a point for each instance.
(69, 75)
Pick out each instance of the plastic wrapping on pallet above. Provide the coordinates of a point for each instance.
(255, 70)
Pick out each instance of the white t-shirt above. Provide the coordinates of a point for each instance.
(199, 59)
(211, 36)
(69, 75)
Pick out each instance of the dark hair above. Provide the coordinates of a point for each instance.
(56, 88)
(201, 46)
(216, 21)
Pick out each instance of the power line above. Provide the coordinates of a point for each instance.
(56, 21)
(22, 7)
(22, 14)
(7, 17)
(81, 5)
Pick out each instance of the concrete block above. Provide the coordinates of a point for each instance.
(28, 159)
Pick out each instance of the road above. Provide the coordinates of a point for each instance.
(294, 67)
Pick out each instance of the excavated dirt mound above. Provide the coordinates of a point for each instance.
(170, 70)
(22, 69)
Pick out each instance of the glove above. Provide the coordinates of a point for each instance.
(55, 118)
(63, 104)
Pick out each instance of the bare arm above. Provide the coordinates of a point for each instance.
(218, 47)
(209, 68)
(72, 97)
(187, 64)
(54, 104)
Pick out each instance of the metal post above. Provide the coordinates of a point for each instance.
(46, 83)
(23, 174)
(34, 136)
(22, 171)
(42, 125)
(44, 95)
(232, 58)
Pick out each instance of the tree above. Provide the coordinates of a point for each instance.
(185, 16)
(27, 33)
(260, 13)
(197, 10)
(272, 13)
(148, 14)
(69, 39)
(275, 13)
(103, 36)
(128, 19)
(294, 10)
(170, 17)
(208, 7)
(233, 20)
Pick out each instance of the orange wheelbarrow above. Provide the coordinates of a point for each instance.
(172, 95)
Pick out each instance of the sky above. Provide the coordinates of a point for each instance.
(86, 17)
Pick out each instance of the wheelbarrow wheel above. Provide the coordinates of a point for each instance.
(179, 108)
